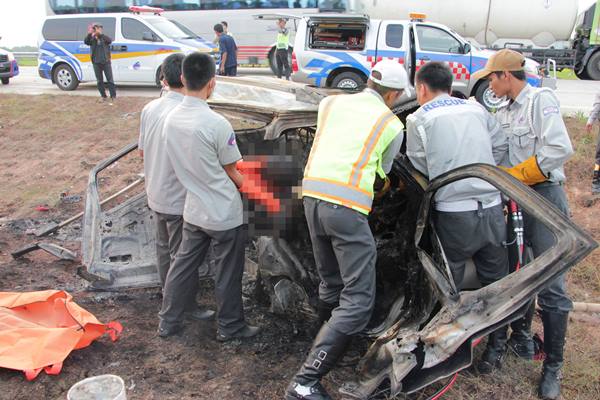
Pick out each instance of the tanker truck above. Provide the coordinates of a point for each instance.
(541, 29)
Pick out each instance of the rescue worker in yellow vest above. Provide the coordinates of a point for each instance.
(539, 145)
(357, 139)
(281, 53)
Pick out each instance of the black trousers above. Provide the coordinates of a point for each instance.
(229, 249)
(107, 70)
(230, 71)
(283, 65)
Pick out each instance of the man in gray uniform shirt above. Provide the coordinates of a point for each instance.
(202, 148)
(539, 145)
(594, 117)
(165, 194)
(446, 133)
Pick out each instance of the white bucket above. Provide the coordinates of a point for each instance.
(102, 387)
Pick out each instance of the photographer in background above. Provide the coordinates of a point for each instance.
(100, 53)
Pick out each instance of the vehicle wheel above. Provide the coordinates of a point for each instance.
(158, 83)
(65, 77)
(486, 97)
(273, 60)
(348, 80)
(5, 81)
(592, 68)
(582, 75)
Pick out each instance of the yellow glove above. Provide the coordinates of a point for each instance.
(528, 172)
(379, 192)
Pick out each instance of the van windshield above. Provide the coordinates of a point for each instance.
(170, 30)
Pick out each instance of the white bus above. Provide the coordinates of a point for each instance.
(255, 38)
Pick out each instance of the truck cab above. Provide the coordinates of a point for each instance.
(339, 50)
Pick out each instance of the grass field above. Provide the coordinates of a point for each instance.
(27, 62)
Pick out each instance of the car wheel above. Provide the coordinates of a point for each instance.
(5, 81)
(65, 77)
(348, 80)
(592, 68)
(486, 97)
(158, 78)
(582, 75)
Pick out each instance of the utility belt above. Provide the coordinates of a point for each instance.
(466, 205)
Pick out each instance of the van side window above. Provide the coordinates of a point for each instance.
(75, 29)
(60, 29)
(438, 40)
(134, 30)
(393, 35)
(108, 25)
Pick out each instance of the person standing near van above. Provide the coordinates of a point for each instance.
(166, 195)
(100, 53)
(281, 53)
(357, 138)
(202, 148)
(228, 49)
(225, 31)
(594, 117)
(447, 133)
(539, 146)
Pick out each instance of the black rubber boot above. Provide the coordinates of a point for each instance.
(323, 314)
(555, 330)
(596, 183)
(494, 353)
(328, 347)
(521, 341)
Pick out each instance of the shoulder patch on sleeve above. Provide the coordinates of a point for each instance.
(231, 141)
(550, 110)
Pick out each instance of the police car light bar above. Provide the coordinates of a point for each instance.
(146, 9)
(417, 17)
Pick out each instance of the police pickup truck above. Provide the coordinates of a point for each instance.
(339, 50)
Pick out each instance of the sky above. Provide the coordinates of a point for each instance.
(21, 20)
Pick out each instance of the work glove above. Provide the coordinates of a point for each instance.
(528, 172)
(381, 186)
(255, 188)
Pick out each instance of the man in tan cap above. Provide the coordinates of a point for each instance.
(539, 145)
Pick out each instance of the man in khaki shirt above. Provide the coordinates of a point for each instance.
(539, 146)
(594, 117)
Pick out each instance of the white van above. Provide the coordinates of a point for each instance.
(140, 43)
(339, 50)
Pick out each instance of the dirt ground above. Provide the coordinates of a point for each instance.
(48, 145)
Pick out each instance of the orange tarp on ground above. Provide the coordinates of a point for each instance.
(38, 330)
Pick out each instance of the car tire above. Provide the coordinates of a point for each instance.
(348, 80)
(157, 79)
(5, 81)
(582, 75)
(65, 78)
(592, 67)
(485, 97)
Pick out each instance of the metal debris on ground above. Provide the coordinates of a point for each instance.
(51, 248)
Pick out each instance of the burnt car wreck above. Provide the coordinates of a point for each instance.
(422, 329)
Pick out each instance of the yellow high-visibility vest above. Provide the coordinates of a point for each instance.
(283, 40)
(353, 132)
